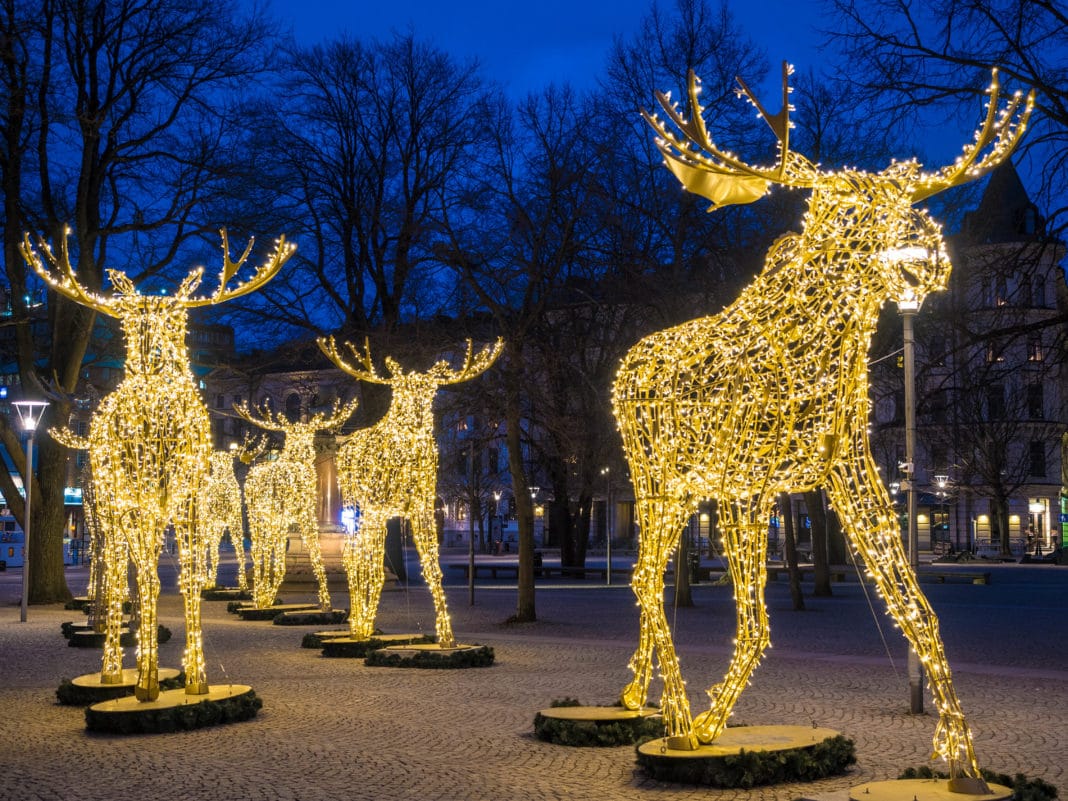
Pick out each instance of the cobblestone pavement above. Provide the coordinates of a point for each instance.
(336, 729)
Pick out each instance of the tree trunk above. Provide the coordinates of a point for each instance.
(821, 574)
(525, 609)
(790, 552)
(47, 577)
(1000, 516)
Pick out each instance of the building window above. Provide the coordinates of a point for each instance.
(995, 402)
(1038, 292)
(1038, 459)
(1034, 348)
(1035, 402)
(1001, 291)
(994, 353)
(220, 401)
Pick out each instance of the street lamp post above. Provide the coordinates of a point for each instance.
(908, 307)
(606, 472)
(30, 413)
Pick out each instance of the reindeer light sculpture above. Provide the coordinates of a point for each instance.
(771, 396)
(281, 494)
(220, 511)
(391, 470)
(150, 440)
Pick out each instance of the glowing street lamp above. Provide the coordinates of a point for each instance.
(30, 413)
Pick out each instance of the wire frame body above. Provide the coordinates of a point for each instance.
(281, 495)
(390, 470)
(150, 443)
(220, 511)
(771, 396)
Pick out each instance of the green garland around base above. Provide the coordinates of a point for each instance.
(594, 733)
(469, 658)
(70, 694)
(178, 718)
(751, 768)
(1023, 788)
(360, 649)
(313, 618)
(314, 639)
(236, 606)
(225, 594)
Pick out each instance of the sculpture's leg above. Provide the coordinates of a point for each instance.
(868, 519)
(212, 574)
(113, 580)
(309, 537)
(745, 544)
(261, 551)
(237, 538)
(364, 558)
(191, 580)
(275, 570)
(426, 544)
(660, 521)
(144, 538)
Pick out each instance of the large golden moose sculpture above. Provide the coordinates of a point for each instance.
(771, 396)
(391, 470)
(150, 440)
(280, 494)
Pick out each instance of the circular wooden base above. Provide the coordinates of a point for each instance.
(431, 655)
(314, 639)
(89, 689)
(340, 646)
(928, 790)
(252, 612)
(597, 725)
(174, 710)
(225, 594)
(744, 756)
(312, 617)
(127, 639)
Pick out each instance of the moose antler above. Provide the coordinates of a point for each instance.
(473, 365)
(720, 176)
(64, 280)
(262, 417)
(250, 449)
(338, 414)
(1004, 130)
(364, 369)
(265, 272)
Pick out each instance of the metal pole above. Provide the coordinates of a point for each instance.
(608, 526)
(26, 532)
(914, 670)
(471, 527)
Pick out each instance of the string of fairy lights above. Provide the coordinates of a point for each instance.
(390, 470)
(771, 396)
(220, 513)
(149, 444)
(281, 494)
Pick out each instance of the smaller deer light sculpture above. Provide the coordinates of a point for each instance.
(281, 494)
(391, 470)
(150, 440)
(771, 396)
(221, 512)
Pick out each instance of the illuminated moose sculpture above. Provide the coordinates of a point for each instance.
(220, 511)
(391, 470)
(150, 439)
(282, 493)
(771, 396)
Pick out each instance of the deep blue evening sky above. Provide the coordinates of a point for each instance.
(524, 45)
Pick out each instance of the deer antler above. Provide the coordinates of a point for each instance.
(338, 414)
(720, 176)
(1004, 130)
(263, 417)
(265, 272)
(364, 370)
(251, 449)
(473, 364)
(66, 282)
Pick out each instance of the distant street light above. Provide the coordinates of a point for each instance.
(30, 413)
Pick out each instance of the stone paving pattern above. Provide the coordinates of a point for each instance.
(335, 729)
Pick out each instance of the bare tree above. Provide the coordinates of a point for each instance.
(116, 124)
(911, 56)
